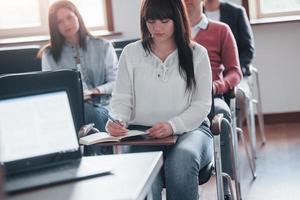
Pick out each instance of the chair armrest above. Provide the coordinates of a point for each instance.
(254, 69)
(251, 70)
(216, 124)
(248, 70)
(87, 129)
(230, 95)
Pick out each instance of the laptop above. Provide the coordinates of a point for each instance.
(39, 144)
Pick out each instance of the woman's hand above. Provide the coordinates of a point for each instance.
(161, 130)
(116, 128)
(89, 94)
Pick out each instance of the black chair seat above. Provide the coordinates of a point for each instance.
(121, 43)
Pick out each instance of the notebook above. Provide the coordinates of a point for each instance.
(38, 142)
(101, 137)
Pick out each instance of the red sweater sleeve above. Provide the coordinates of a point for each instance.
(229, 58)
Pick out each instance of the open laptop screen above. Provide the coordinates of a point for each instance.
(36, 125)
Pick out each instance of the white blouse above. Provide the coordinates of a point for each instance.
(149, 91)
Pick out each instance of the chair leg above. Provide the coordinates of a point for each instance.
(235, 160)
(218, 167)
(250, 159)
(251, 125)
(259, 110)
(234, 148)
(117, 149)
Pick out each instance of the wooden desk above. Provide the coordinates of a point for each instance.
(171, 140)
(132, 178)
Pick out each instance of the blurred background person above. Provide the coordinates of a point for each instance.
(219, 41)
(73, 47)
(235, 16)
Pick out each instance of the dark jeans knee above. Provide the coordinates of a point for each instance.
(94, 114)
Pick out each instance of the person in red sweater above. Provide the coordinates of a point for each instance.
(219, 41)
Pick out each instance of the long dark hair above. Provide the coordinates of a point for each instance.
(56, 39)
(176, 11)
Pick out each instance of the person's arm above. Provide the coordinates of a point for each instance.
(245, 42)
(229, 58)
(46, 66)
(201, 100)
(110, 62)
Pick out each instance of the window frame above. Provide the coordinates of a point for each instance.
(253, 9)
(260, 14)
(43, 29)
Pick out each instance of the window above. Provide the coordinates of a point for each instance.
(260, 9)
(30, 17)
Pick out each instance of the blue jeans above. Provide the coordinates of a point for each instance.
(182, 163)
(222, 107)
(94, 114)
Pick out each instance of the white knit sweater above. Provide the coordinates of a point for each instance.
(149, 91)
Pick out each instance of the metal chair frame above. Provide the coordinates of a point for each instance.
(258, 103)
(233, 139)
(249, 102)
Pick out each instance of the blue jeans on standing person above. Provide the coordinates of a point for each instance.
(94, 114)
(182, 163)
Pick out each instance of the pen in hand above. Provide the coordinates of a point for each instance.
(112, 119)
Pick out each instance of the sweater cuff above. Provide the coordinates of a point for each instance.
(175, 124)
(103, 89)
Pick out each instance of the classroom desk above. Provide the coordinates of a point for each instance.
(132, 178)
(117, 146)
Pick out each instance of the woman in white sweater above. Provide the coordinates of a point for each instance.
(164, 86)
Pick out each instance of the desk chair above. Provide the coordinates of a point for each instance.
(234, 132)
(246, 110)
(247, 93)
(121, 43)
(44, 81)
(255, 89)
(118, 52)
(217, 124)
(19, 59)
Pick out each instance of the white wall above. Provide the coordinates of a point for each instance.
(277, 56)
(277, 52)
(234, 1)
(127, 17)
